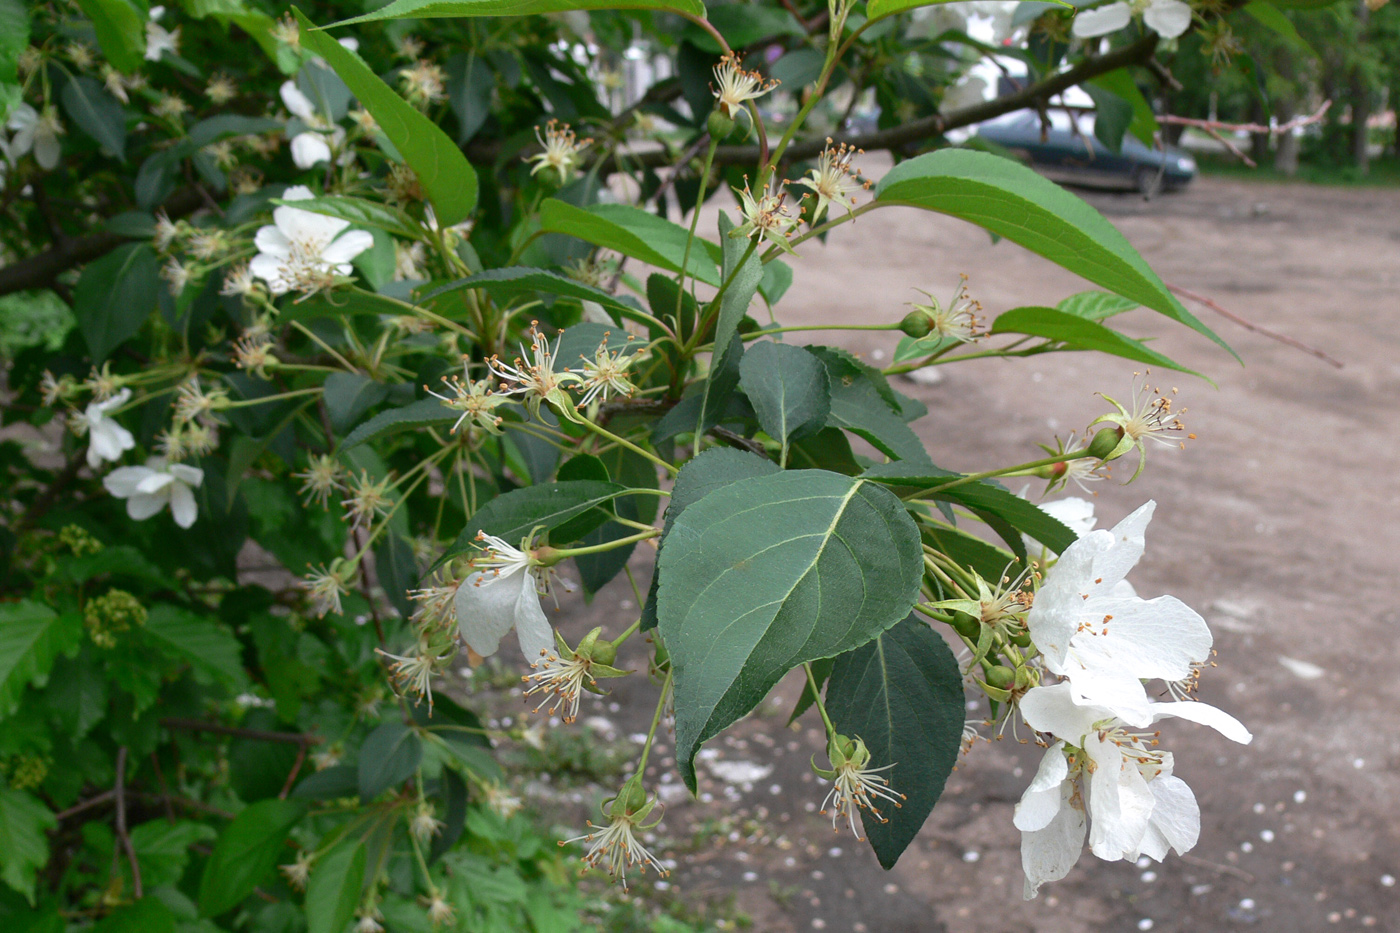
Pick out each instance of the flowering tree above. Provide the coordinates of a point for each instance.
(462, 342)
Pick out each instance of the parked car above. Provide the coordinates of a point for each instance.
(1069, 153)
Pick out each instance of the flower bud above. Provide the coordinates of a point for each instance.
(965, 624)
(720, 124)
(1105, 443)
(632, 796)
(1001, 677)
(916, 324)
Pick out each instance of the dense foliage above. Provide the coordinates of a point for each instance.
(327, 360)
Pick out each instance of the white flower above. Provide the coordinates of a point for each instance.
(35, 131)
(1167, 18)
(300, 251)
(737, 86)
(107, 439)
(158, 39)
(1106, 644)
(501, 594)
(1111, 777)
(834, 180)
(310, 149)
(147, 489)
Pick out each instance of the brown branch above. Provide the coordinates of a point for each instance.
(1208, 125)
(1251, 326)
(122, 835)
(43, 269)
(197, 725)
(292, 775)
(82, 805)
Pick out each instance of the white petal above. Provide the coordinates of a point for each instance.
(1100, 22)
(107, 440)
(23, 117)
(1052, 709)
(1129, 535)
(47, 150)
(350, 43)
(116, 401)
(1055, 614)
(182, 505)
(270, 269)
(533, 630)
(297, 103)
(142, 507)
(154, 483)
(309, 149)
(486, 605)
(1048, 854)
(1206, 715)
(1168, 18)
(122, 481)
(297, 193)
(1176, 819)
(307, 226)
(1073, 511)
(1119, 801)
(272, 242)
(1144, 638)
(351, 244)
(190, 476)
(1042, 799)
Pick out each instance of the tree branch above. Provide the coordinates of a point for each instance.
(195, 725)
(41, 270)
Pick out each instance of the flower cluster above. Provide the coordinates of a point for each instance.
(1102, 775)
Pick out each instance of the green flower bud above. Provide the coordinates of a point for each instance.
(719, 124)
(965, 625)
(1104, 446)
(1001, 677)
(916, 324)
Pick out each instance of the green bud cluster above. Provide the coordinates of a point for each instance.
(26, 772)
(112, 614)
(78, 540)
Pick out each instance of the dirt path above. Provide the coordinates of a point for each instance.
(1280, 525)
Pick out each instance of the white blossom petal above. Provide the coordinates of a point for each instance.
(1052, 709)
(154, 483)
(1175, 822)
(190, 476)
(1206, 715)
(1048, 854)
(141, 507)
(1100, 22)
(1041, 802)
(532, 629)
(349, 245)
(271, 241)
(297, 103)
(309, 149)
(122, 481)
(182, 505)
(1119, 800)
(486, 607)
(1168, 18)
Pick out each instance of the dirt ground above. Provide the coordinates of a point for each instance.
(1279, 524)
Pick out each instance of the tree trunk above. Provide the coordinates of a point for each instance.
(1258, 142)
(1286, 153)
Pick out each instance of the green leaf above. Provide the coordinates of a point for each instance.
(1012, 201)
(1120, 83)
(859, 406)
(1095, 305)
(1112, 116)
(121, 30)
(148, 915)
(879, 9)
(224, 125)
(743, 25)
(361, 212)
(517, 281)
(204, 642)
(31, 637)
(24, 849)
(334, 782)
(902, 695)
(714, 469)
(14, 36)
(1269, 16)
(97, 114)
(246, 853)
(389, 756)
(113, 297)
(573, 506)
(767, 573)
(1021, 514)
(418, 414)
(733, 305)
(789, 390)
(1078, 333)
(438, 9)
(988, 560)
(349, 395)
(632, 232)
(163, 848)
(444, 172)
(333, 891)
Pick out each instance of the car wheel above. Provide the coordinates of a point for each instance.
(1148, 181)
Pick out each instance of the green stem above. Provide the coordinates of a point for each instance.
(244, 403)
(754, 335)
(323, 345)
(817, 697)
(655, 721)
(712, 309)
(694, 222)
(974, 477)
(604, 432)
(560, 553)
(631, 630)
